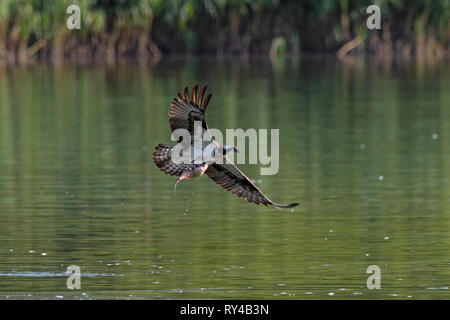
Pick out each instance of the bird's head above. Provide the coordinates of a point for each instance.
(228, 149)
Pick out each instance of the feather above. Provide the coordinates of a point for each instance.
(205, 104)
(186, 94)
(194, 93)
(200, 95)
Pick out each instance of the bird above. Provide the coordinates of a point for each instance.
(185, 112)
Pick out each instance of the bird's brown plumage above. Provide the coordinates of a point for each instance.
(183, 111)
(229, 177)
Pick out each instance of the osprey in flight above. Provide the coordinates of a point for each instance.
(184, 112)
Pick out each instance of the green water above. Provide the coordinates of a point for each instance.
(365, 149)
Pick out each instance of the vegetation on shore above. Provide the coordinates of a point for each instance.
(148, 29)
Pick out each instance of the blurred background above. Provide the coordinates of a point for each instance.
(150, 29)
(364, 125)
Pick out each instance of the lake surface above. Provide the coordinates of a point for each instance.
(364, 148)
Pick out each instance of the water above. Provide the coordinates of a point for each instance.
(365, 149)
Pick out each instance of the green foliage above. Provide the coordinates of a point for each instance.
(238, 26)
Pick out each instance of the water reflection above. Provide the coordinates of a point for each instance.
(78, 184)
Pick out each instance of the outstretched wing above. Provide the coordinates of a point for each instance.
(185, 110)
(229, 177)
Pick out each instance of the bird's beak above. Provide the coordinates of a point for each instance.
(236, 150)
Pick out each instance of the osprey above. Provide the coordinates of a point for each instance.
(184, 112)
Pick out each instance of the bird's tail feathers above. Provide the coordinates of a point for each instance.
(162, 154)
(162, 157)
